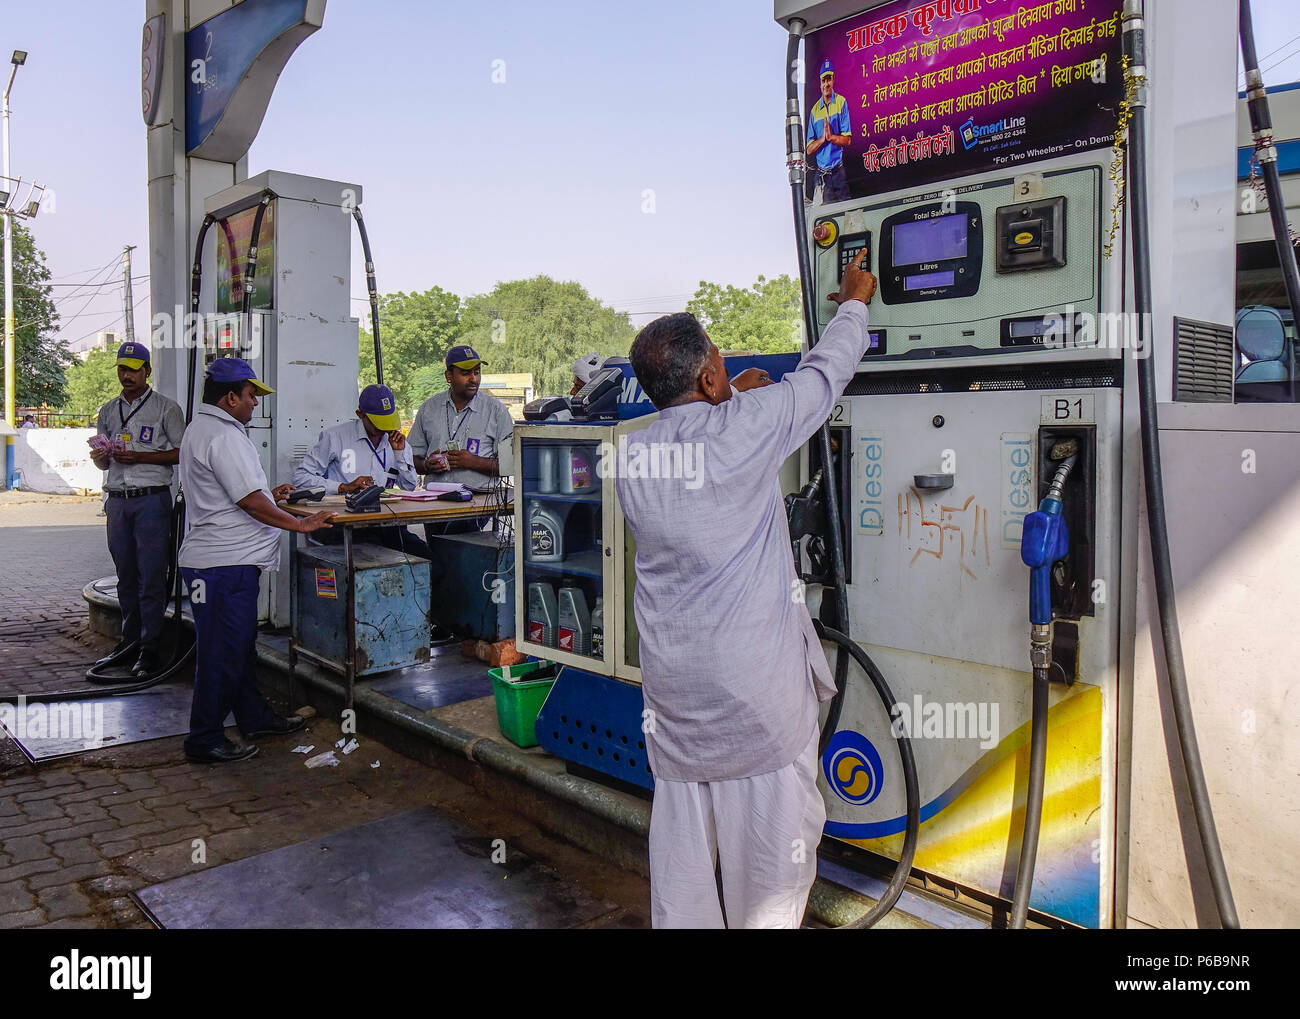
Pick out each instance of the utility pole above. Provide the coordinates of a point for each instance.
(128, 309)
(10, 367)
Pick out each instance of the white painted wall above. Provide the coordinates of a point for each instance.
(56, 461)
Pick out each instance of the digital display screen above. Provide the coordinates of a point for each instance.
(930, 240)
(929, 279)
(875, 340)
(1030, 327)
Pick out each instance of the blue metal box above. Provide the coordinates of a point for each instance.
(391, 595)
(473, 585)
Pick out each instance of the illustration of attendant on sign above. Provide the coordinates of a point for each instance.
(829, 133)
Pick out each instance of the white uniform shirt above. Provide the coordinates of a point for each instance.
(482, 427)
(218, 467)
(155, 424)
(343, 453)
(730, 663)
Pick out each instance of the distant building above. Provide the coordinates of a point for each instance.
(103, 341)
(512, 389)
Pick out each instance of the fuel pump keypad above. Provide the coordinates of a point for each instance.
(850, 245)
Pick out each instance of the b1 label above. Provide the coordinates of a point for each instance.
(1069, 410)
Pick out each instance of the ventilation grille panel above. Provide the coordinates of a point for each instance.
(1205, 357)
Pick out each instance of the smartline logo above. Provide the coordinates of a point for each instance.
(102, 973)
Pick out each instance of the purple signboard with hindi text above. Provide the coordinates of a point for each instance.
(939, 89)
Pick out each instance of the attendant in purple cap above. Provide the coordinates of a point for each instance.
(368, 450)
(457, 433)
(145, 428)
(234, 534)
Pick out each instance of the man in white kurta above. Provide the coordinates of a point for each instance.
(732, 670)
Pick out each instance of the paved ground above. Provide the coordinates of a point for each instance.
(51, 546)
(76, 837)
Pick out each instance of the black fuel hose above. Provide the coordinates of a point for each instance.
(911, 783)
(196, 288)
(795, 159)
(1261, 124)
(372, 292)
(1033, 802)
(1158, 527)
(250, 270)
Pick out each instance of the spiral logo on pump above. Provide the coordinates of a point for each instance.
(853, 768)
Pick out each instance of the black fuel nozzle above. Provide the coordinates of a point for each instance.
(806, 515)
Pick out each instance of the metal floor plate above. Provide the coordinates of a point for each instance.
(447, 678)
(419, 869)
(61, 729)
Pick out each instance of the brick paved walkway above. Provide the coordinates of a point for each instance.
(76, 836)
(51, 547)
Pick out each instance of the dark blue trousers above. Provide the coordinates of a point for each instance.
(224, 600)
(834, 182)
(139, 531)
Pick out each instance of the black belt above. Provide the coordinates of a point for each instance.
(135, 493)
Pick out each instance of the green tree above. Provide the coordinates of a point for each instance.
(416, 330)
(40, 357)
(92, 383)
(541, 325)
(763, 318)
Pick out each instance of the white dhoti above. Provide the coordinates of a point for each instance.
(764, 829)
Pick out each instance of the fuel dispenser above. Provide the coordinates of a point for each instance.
(280, 299)
(978, 174)
(984, 572)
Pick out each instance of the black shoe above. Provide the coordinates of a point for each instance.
(124, 650)
(278, 726)
(223, 753)
(147, 664)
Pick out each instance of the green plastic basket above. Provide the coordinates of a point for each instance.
(519, 702)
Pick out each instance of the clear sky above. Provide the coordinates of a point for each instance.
(466, 182)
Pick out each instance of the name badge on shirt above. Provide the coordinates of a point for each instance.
(471, 446)
(125, 437)
(146, 434)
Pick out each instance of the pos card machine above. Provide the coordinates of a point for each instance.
(598, 399)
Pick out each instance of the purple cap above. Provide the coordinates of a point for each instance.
(464, 356)
(377, 403)
(234, 369)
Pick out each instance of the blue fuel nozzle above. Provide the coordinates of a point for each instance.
(1043, 541)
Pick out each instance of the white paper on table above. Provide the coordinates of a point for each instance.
(445, 486)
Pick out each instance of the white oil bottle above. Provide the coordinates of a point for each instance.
(574, 633)
(598, 629)
(542, 614)
(545, 533)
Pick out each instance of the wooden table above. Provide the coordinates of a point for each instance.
(392, 512)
